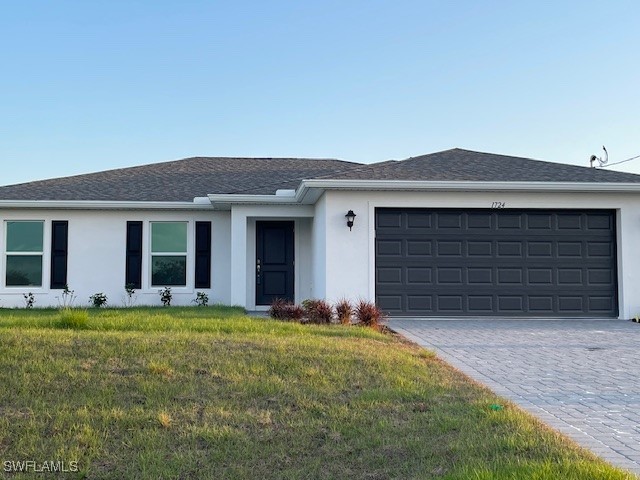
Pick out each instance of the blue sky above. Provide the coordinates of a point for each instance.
(89, 86)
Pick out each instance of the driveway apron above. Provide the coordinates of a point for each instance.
(581, 377)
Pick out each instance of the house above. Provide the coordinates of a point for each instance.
(446, 234)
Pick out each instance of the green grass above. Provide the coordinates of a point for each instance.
(210, 393)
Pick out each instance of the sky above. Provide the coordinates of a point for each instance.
(90, 86)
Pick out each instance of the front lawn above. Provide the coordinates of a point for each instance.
(211, 393)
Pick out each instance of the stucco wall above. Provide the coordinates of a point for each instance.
(96, 256)
(349, 267)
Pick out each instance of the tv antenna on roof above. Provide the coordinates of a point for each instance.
(602, 161)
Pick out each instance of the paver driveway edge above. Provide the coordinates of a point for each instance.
(596, 402)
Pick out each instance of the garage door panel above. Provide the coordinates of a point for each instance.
(570, 304)
(449, 248)
(600, 222)
(481, 248)
(540, 249)
(570, 249)
(509, 249)
(541, 303)
(480, 276)
(509, 221)
(510, 303)
(480, 303)
(539, 221)
(496, 262)
(479, 221)
(449, 221)
(419, 303)
(450, 303)
(418, 248)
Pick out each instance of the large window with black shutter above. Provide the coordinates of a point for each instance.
(59, 244)
(176, 253)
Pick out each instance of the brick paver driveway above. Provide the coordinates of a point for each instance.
(581, 377)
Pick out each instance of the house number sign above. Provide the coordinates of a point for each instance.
(498, 204)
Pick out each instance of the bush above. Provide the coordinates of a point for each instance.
(73, 319)
(29, 300)
(317, 311)
(344, 311)
(285, 310)
(368, 314)
(165, 296)
(98, 300)
(201, 300)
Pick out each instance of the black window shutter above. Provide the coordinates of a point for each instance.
(59, 244)
(133, 274)
(203, 255)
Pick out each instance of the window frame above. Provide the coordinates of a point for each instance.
(187, 255)
(6, 253)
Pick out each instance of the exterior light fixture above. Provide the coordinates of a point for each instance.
(350, 218)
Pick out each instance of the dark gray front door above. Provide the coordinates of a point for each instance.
(496, 262)
(274, 262)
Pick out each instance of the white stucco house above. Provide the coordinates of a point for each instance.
(453, 233)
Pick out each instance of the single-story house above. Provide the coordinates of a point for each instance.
(453, 233)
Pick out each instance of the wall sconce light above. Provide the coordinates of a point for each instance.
(350, 218)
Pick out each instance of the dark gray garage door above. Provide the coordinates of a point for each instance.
(496, 262)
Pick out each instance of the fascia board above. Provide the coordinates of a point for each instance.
(234, 198)
(310, 190)
(99, 205)
(466, 186)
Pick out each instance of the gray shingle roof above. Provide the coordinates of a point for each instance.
(182, 180)
(466, 165)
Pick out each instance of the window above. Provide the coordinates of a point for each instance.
(24, 248)
(168, 254)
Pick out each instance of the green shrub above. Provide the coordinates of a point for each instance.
(98, 300)
(202, 299)
(165, 296)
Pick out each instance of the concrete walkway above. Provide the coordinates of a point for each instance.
(581, 377)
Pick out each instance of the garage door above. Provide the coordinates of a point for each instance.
(496, 262)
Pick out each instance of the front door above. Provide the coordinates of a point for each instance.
(274, 262)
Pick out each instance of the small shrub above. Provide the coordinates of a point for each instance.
(73, 319)
(285, 310)
(98, 300)
(165, 296)
(344, 311)
(368, 314)
(66, 298)
(202, 299)
(317, 311)
(129, 295)
(29, 300)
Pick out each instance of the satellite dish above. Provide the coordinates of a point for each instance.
(602, 161)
